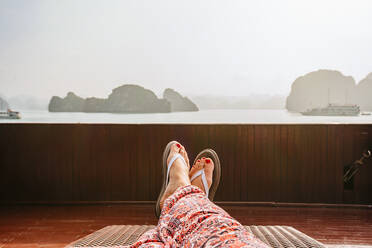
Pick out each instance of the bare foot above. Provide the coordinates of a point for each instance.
(208, 166)
(179, 172)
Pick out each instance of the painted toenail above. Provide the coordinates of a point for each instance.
(207, 160)
(178, 145)
(198, 160)
(203, 157)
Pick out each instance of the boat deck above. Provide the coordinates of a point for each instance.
(112, 163)
(58, 225)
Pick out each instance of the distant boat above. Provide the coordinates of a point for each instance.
(9, 114)
(334, 110)
(365, 113)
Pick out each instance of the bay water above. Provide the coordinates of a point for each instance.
(246, 116)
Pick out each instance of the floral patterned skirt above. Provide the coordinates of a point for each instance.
(190, 219)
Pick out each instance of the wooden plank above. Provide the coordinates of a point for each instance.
(348, 158)
(335, 167)
(141, 175)
(284, 185)
(276, 162)
(268, 163)
(9, 157)
(228, 160)
(258, 172)
(253, 193)
(271, 165)
(292, 176)
(119, 159)
(251, 163)
(299, 163)
(243, 162)
(324, 162)
(58, 169)
(99, 154)
(237, 159)
(315, 156)
(305, 162)
(363, 184)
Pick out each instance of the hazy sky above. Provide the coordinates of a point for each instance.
(194, 46)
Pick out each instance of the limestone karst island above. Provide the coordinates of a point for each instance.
(326, 90)
(127, 98)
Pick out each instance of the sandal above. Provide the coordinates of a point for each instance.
(165, 173)
(209, 153)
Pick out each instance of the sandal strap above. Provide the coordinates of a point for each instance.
(174, 158)
(204, 180)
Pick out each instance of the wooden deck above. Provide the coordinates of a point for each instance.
(58, 225)
(112, 163)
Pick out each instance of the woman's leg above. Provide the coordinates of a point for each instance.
(149, 239)
(178, 177)
(190, 219)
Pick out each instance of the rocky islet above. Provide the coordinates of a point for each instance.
(128, 98)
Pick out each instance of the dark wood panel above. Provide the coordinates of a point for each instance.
(322, 178)
(283, 164)
(59, 164)
(118, 167)
(348, 156)
(363, 180)
(249, 165)
(114, 162)
(292, 179)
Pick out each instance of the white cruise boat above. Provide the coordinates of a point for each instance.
(334, 110)
(9, 114)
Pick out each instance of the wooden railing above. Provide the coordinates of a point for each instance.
(116, 162)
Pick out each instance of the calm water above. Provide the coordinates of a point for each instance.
(203, 116)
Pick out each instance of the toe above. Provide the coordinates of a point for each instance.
(176, 147)
(208, 168)
(184, 155)
(209, 165)
(196, 167)
(192, 171)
